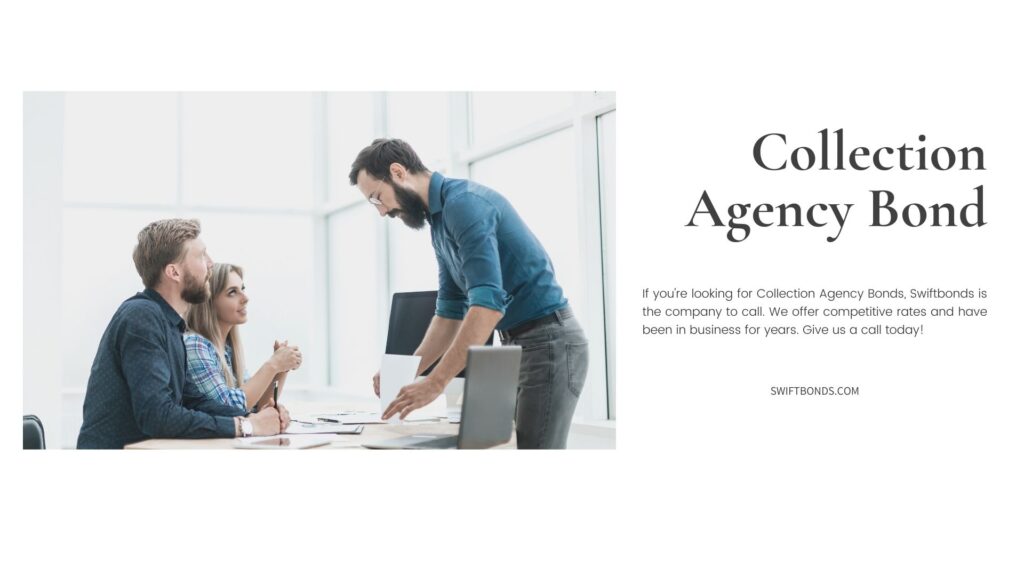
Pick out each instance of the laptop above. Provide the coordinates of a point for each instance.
(488, 404)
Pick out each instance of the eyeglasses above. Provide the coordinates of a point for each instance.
(372, 199)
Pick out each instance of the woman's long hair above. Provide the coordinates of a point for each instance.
(202, 319)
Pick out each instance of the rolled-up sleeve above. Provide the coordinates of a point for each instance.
(451, 301)
(473, 223)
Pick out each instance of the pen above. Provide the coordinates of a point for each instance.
(275, 393)
(331, 420)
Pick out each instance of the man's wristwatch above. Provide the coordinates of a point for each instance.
(246, 428)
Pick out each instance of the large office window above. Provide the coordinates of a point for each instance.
(357, 293)
(541, 151)
(498, 114)
(248, 150)
(121, 148)
(351, 126)
(355, 248)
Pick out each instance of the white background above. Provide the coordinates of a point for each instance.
(919, 474)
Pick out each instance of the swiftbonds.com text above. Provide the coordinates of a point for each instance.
(815, 391)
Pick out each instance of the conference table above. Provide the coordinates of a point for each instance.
(306, 410)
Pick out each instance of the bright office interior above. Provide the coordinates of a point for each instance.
(267, 176)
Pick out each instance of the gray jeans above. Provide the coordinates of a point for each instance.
(551, 377)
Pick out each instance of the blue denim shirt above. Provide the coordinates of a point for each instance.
(486, 256)
(137, 385)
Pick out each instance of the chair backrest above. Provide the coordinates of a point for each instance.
(33, 437)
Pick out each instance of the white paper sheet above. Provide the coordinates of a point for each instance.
(395, 371)
(325, 428)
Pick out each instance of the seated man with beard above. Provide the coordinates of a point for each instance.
(137, 383)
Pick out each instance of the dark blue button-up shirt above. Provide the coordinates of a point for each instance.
(137, 384)
(486, 256)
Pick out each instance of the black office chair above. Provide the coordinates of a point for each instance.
(33, 437)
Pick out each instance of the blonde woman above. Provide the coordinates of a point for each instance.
(216, 363)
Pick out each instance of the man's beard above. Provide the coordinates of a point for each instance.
(413, 211)
(195, 291)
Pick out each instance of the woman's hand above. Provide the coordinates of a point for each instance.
(285, 357)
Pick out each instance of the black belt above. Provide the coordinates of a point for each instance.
(517, 331)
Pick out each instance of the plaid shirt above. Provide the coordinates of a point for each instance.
(204, 374)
